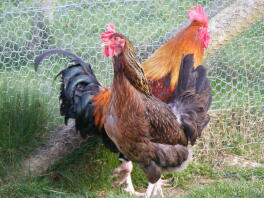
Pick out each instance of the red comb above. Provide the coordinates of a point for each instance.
(198, 14)
(110, 31)
(109, 49)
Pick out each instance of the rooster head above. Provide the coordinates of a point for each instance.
(197, 14)
(113, 42)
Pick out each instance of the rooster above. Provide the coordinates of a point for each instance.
(162, 67)
(85, 101)
(146, 130)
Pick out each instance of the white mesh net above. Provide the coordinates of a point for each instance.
(27, 28)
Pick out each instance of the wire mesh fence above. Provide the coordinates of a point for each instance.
(27, 28)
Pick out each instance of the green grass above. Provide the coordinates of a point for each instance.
(24, 117)
(199, 180)
(228, 189)
(235, 183)
(236, 74)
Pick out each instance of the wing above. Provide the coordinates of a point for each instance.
(164, 127)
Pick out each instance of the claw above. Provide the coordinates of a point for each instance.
(166, 182)
(121, 180)
(130, 188)
(134, 193)
(124, 171)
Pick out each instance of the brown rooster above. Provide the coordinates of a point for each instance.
(162, 69)
(146, 130)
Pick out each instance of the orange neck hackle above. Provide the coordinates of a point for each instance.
(192, 40)
(100, 101)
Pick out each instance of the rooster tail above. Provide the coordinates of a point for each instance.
(192, 98)
(69, 54)
(78, 87)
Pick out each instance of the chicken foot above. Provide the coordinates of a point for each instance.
(124, 170)
(154, 189)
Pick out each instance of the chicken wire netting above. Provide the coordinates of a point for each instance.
(27, 28)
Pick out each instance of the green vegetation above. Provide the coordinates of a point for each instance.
(29, 101)
(25, 114)
(236, 183)
(84, 179)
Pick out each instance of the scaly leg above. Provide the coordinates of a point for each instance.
(154, 189)
(124, 170)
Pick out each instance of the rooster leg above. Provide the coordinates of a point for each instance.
(130, 188)
(125, 172)
(154, 189)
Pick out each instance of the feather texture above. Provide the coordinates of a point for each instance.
(143, 128)
(81, 96)
(192, 99)
(167, 59)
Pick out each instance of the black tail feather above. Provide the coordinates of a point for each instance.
(78, 86)
(203, 84)
(74, 58)
(192, 98)
(185, 77)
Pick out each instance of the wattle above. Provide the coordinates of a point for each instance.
(204, 36)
